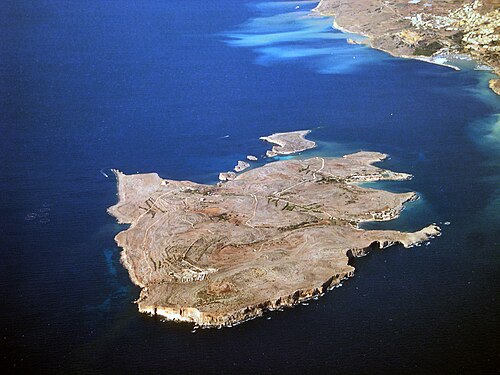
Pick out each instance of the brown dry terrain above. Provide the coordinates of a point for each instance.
(424, 28)
(217, 255)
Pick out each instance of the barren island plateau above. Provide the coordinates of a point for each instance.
(275, 235)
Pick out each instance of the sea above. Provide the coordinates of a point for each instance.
(185, 89)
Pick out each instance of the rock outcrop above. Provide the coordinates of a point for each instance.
(227, 176)
(241, 166)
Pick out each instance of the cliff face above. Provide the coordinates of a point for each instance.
(424, 28)
(217, 255)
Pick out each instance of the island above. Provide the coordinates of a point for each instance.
(285, 144)
(272, 237)
(288, 143)
(427, 30)
(241, 166)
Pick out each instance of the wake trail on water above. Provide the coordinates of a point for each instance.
(104, 173)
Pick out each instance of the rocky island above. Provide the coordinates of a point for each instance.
(288, 143)
(424, 29)
(276, 235)
(285, 144)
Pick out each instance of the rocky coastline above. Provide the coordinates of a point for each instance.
(201, 319)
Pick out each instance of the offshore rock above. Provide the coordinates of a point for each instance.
(241, 166)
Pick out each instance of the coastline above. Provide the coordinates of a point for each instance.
(368, 43)
(393, 50)
(200, 319)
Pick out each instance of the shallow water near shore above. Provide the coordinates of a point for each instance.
(186, 90)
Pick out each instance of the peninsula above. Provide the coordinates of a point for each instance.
(276, 235)
(424, 29)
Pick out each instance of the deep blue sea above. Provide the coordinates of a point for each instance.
(186, 89)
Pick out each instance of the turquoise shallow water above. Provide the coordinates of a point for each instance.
(186, 90)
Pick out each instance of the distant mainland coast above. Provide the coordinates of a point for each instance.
(431, 31)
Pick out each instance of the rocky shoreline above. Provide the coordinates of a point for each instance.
(273, 237)
(193, 315)
(288, 143)
(285, 144)
(428, 31)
